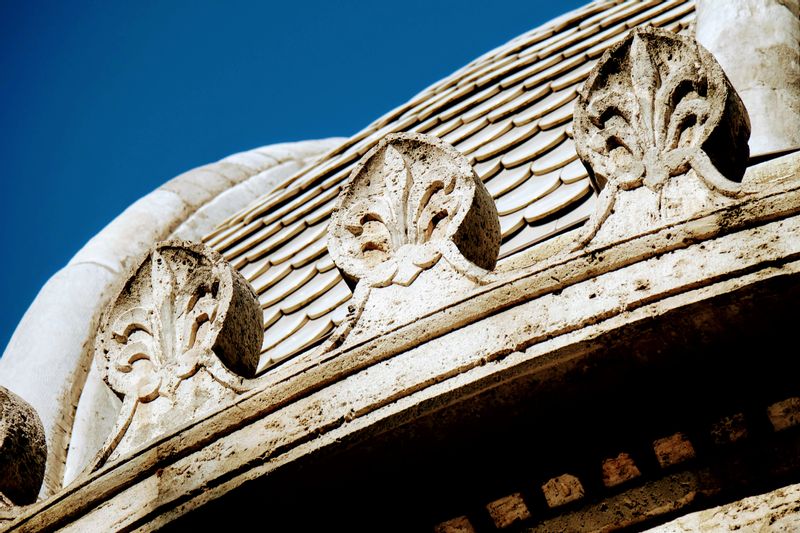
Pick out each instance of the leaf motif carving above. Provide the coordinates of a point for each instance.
(394, 229)
(656, 106)
(166, 323)
(649, 109)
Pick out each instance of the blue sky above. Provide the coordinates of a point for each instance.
(101, 102)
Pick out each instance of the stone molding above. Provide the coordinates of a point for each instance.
(184, 331)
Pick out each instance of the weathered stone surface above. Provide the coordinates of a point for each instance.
(619, 469)
(184, 311)
(773, 511)
(729, 429)
(430, 364)
(508, 510)
(23, 451)
(460, 524)
(411, 200)
(414, 227)
(784, 414)
(562, 490)
(661, 132)
(66, 311)
(673, 450)
(757, 43)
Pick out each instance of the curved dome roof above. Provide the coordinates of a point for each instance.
(509, 112)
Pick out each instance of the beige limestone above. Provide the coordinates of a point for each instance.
(562, 490)
(175, 341)
(618, 470)
(673, 450)
(460, 524)
(48, 357)
(508, 510)
(784, 414)
(23, 450)
(774, 511)
(662, 138)
(414, 227)
(393, 380)
(757, 42)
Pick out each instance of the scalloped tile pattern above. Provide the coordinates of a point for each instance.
(509, 111)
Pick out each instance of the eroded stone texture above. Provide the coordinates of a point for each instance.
(23, 451)
(619, 469)
(562, 490)
(773, 511)
(414, 227)
(784, 414)
(407, 201)
(757, 42)
(661, 131)
(177, 340)
(460, 524)
(508, 510)
(673, 450)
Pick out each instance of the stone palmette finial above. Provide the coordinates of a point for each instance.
(184, 331)
(410, 201)
(23, 450)
(415, 223)
(658, 106)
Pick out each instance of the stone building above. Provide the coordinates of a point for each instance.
(554, 291)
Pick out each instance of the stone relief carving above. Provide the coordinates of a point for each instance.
(23, 451)
(413, 204)
(658, 107)
(179, 338)
(411, 200)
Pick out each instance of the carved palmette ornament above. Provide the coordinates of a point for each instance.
(413, 228)
(656, 106)
(410, 201)
(184, 331)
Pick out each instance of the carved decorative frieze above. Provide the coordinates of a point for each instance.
(413, 204)
(179, 338)
(658, 107)
(23, 451)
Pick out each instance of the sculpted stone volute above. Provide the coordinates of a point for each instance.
(411, 200)
(177, 340)
(658, 106)
(415, 223)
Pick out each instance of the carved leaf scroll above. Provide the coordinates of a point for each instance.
(411, 200)
(655, 105)
(182, 311)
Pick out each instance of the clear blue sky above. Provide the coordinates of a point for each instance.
(101, 102)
